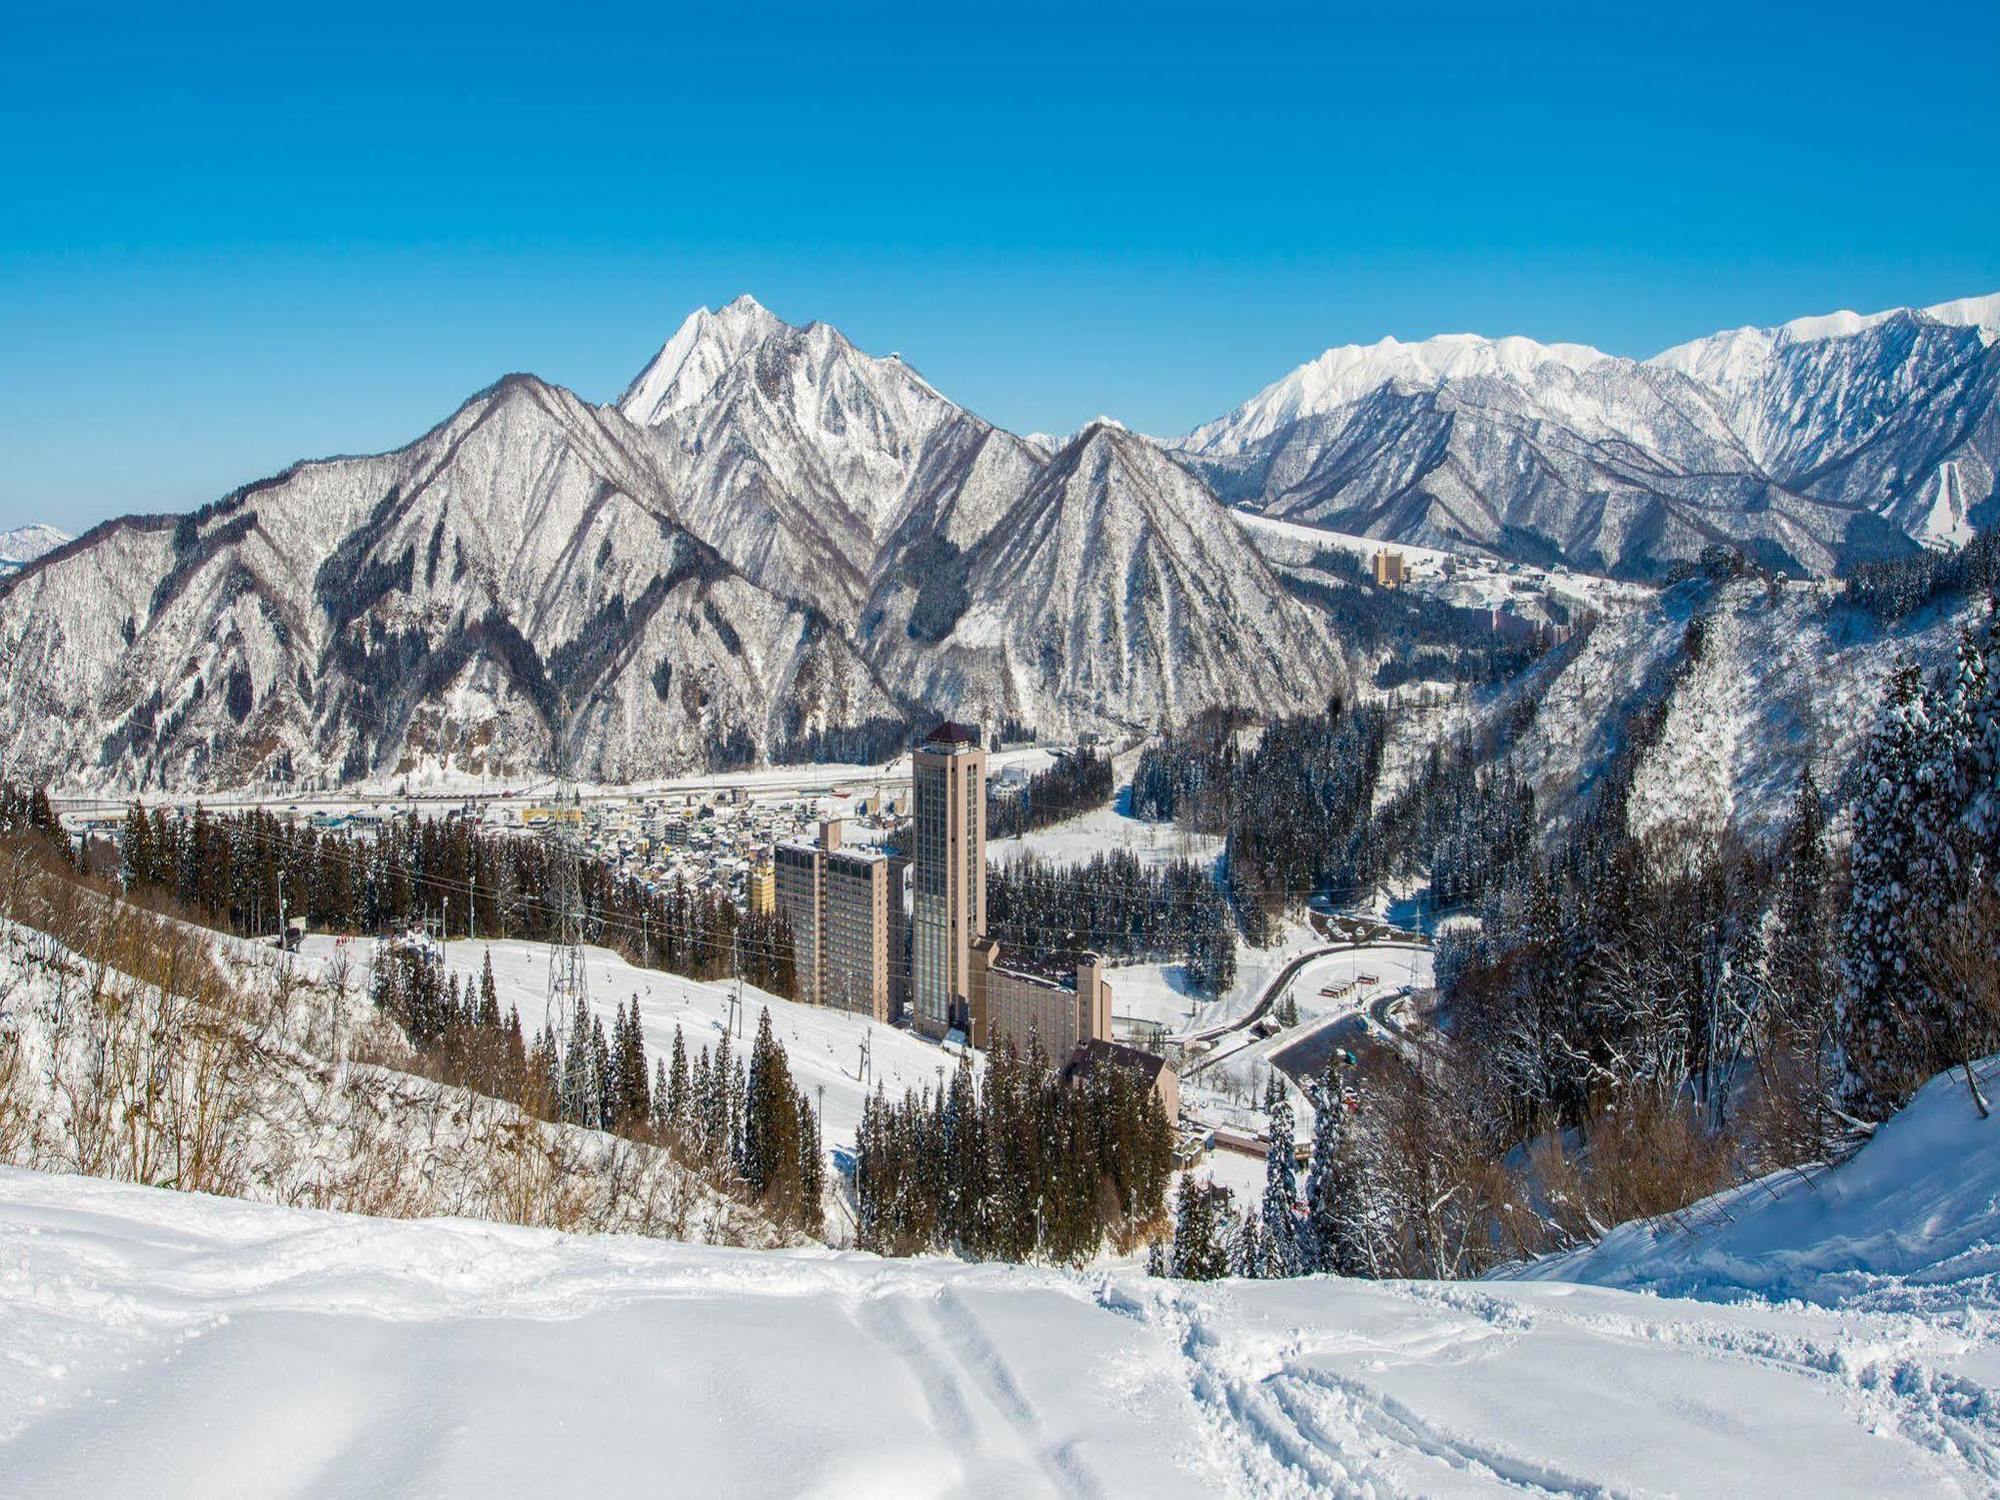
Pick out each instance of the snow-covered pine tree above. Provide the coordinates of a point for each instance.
(1249, 1250)
(1336, 1233)
(1982, 810)
(677, 1110)
(601, 1104)
(638, 1081)
(1896, 882)
(489, 994)
(1283, 1252)
(812, 1167)
(1201, 1210)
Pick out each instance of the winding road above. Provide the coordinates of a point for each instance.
(1275, 987)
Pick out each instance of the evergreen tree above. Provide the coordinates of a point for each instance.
(1201, 1209)
(1335, 1238)
(771, 1150)
(1279, 1232)
(1897, 881)
(701, 1108)
(516, 1077)
(489, 994)
(658, 1116)
(811, 1167)
(678, 1110)
(1249, 1248)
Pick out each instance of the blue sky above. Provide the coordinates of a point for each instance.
(234, 237)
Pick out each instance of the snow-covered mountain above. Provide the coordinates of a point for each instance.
(1812, 445)
(772, 544)
(1113, 586)
(24, 544)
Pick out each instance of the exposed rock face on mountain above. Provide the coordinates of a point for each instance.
(1811, 446)
(772, 547)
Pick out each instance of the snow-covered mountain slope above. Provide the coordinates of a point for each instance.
(1786, 677)
(792, 451)
(150, 1051)
(1344, 375)
(1113, 587)
(24, 544)
(425, 607)
(823, 1044)
(702, 574)
(1811, 445)
(1784, 680)
(178, 1345)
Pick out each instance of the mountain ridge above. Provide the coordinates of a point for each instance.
(1812, 445)
(773, 545)
(685, 591)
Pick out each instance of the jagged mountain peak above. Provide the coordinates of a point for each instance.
(688, 365)
(693, 364)
(1812, 445)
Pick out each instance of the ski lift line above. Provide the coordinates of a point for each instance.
(1063, 937)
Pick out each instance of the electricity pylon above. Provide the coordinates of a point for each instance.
(565, 853)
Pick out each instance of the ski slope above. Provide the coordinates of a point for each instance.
(823, 1046)
(171, 1344)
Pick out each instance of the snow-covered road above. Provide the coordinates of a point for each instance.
(165, 1344)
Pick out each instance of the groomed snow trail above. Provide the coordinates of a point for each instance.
(169, 1344)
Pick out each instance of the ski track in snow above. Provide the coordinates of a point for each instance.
(177, 1344)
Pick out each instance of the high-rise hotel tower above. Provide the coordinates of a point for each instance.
(948, 875)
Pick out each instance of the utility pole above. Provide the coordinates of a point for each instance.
(566, 972)
(284, 929)
(736, 1005)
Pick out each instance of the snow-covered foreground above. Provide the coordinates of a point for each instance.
(167, 1344)
(1910, 1224)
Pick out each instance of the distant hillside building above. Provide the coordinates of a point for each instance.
(761, 887)
(837, 902)
(1389, 570)
(948, 875)
(1154, 1072)
(1012, 1004)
